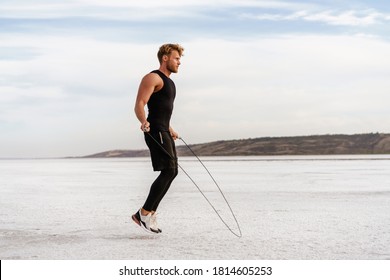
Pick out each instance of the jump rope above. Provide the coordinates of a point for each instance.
(196, 185)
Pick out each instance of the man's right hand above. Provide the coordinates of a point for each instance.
(145, 127)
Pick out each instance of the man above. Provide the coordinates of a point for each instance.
(158, 92)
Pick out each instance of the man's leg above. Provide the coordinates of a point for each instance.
(158, 190)
(170, 176)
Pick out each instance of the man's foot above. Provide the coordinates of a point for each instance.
(153, 219)
(145, 222)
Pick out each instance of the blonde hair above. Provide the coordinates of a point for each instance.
(167, 49)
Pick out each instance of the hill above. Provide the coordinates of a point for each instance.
(372, 143)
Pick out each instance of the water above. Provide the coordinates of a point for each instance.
(298, 207)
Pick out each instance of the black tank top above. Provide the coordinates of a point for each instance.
(160, 104)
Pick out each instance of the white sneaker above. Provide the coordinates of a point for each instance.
(145, 222)
(153, 221)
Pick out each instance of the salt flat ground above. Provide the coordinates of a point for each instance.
(301, 208)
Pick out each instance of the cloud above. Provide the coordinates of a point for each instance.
(74, 88)
(131, 10)
(284, 85)
(124, 10)
(348, 18)
(76, 97)
(344, 18)
(69, 76)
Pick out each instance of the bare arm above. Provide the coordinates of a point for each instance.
(149, 84)
(173, 133)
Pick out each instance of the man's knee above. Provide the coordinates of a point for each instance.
(171, 172)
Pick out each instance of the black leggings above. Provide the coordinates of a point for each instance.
(159, 188)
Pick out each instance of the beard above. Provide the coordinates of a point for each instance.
(172, 68)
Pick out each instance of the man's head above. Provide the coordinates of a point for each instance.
(169, 54)
(167, 49)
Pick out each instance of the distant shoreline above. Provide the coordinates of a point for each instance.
(337, 144)
(334, 157)
(314, 145)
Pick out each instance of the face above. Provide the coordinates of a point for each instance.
(173, 61)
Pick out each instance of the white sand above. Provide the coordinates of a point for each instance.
(287, 209)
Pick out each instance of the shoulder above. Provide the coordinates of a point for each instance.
(152, 79)
(152, 82)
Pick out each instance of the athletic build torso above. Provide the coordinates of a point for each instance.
(160, 104)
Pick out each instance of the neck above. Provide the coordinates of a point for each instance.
(165, 71)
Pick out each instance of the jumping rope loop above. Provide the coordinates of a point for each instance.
(205, 197)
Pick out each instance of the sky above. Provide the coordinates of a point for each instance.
(70, 70)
